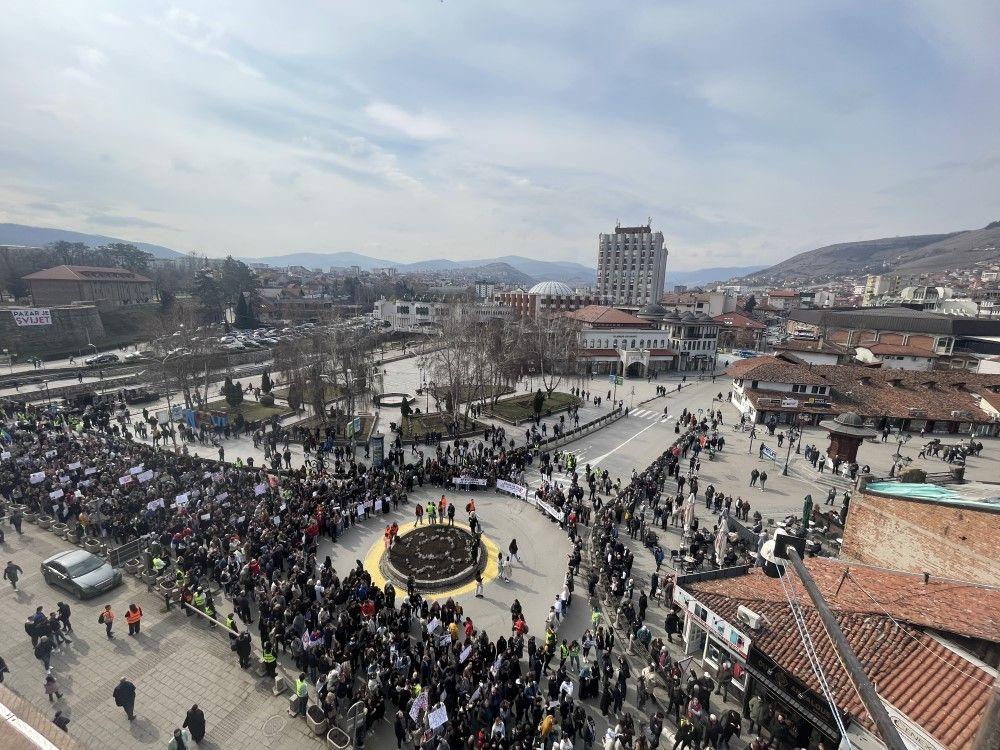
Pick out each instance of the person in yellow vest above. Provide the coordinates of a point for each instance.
(302, 693)
(133, 616)
(431, 511)
(269, 659)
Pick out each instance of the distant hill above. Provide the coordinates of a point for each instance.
(922, 253)
(705, 275)
(20, 234)
(538, 270)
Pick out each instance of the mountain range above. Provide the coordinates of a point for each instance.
(21, 234)
(921, 253)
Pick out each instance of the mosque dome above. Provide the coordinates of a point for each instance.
(551, 289)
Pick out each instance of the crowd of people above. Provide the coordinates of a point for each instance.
(254, 533)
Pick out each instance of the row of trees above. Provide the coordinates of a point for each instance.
(479, 361)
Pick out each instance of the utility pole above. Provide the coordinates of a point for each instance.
(866, 691)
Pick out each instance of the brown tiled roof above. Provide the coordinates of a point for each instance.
(782, 293)
(773, 370)
(602, 315)
(879, 392)
(806, 345)
(933, 685)
(86, 273)
(737, 320)
(899, 349)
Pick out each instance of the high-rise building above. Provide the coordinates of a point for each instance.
(631, 267)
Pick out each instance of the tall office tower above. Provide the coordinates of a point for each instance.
(631, 267)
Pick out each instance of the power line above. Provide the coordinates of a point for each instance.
(813, 657)
(916, 640)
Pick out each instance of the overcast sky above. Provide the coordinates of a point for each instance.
(747, 130)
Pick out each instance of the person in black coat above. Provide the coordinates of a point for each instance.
(400, 728)
(124, 695)
(194, 722)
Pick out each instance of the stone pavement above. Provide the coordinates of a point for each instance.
(174, 662)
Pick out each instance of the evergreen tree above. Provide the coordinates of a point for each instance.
(537, 402)
(266, 386)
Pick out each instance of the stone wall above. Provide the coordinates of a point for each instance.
(69, 330)
(917, 536)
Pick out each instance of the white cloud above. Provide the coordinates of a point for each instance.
(421, 126)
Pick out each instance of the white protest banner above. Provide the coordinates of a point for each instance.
(419, 704)
(56, 495)
(32, 316)
(466, 652)
(445, 640)
(181, 500)
(124, 480)
(154, 504)
(136, 470)
(63, 480)
(89, 470)
(437, 717)
(145, 476)
(74, 466)
(549, 509)
(478, 481)
(221, 496)
(205, 516)
(433, 625)
(37, 477)
(260, 489)
(516, 490)
(5, 455)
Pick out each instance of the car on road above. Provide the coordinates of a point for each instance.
(80, 573)
(101, 359)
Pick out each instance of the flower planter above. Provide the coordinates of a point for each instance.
(60, 529)
(148, 576)
(133, 567)
(31, 517)
(316, 720)
(165, 585)
(337, 739)
(44, 522)
(73, 536)
(93, 546)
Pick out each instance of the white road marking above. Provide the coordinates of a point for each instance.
(622, 445)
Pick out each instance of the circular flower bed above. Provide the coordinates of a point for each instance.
(437, 556)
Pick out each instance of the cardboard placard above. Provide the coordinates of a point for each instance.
(37, 477)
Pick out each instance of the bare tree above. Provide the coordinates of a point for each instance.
(553, 345)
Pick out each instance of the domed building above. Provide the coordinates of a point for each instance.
(545, 298)
(551, 289)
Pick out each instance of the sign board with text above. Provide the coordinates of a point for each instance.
(32, 316)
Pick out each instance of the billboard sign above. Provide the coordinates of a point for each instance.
(32, 316)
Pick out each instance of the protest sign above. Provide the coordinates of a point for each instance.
(125, 480)
(419, 704)
(5, 455)
(478, 481)
(181, 500)
(37, 477)
(516, 490)
(437, 717)
(145, 476)
(89, 470)
(136, 470)
(433, 625)
(154, 504)
(74, 466)
(260, 489)
(56, 494)
(466, 652)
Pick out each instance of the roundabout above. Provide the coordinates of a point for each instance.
(437, 556)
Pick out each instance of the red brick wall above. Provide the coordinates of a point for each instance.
(924, 342)
(915, 536)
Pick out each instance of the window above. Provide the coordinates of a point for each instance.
(816, 389)
(798, 388)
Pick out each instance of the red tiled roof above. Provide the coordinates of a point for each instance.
(933, 685)
(899, 349)
(737, 320)
(773, 370)
(806, 345)
(782, 293)
(87, 273)
(602, 315)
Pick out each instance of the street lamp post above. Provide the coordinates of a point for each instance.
(10, 360)
(788, 455)
(170, 408)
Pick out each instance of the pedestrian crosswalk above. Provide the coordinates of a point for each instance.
(650, 414)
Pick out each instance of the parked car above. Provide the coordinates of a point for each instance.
(80, 573)
(140, 395)
(101, 359)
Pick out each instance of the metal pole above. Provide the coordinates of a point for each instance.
(866, 691)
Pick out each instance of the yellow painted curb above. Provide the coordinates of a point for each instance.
(374, 555)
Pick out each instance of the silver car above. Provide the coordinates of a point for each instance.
(80, 573)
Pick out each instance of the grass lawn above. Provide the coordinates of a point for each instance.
(519, 409)
(418, 425)
(311, 423)
(466, 393)
(251, 410)
(331, 393)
